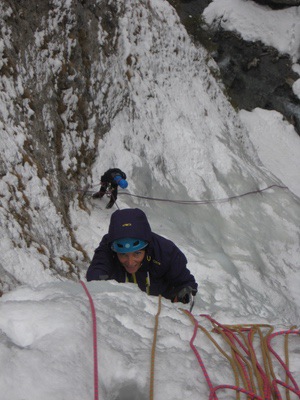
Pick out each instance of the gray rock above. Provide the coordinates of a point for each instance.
(278, 3)
(254, 75)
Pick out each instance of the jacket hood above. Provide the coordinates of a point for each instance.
(129, 223)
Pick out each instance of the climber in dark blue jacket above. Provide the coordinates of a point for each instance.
(110, 181)
(131, 252)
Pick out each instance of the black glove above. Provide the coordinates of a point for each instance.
(184, 295)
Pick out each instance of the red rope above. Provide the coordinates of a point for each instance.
(276, 381)
(94, 319)
(267, 389)
(248, 392)
(266, 384)
(232, 337)
(211, 388)
(237, 389)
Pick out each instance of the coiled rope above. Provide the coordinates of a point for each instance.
(95, 350)
(266, 380)
(267, 385)
(289, 376)
(247, 369)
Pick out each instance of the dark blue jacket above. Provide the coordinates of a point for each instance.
(163, 269)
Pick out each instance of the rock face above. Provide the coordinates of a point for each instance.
(254, 75)
(278, 3)
(48, 115)
(257, 76)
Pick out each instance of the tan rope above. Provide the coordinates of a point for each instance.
(264, 350)
(230, 359)
(272, 375)
(252, 367)
(287, 361)
(153, 350)
(235, 352)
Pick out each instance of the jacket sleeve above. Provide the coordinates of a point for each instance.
(102, 262)
(169, 266)
(178, 274)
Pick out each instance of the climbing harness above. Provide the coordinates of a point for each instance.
(132, 278)
(148, 283)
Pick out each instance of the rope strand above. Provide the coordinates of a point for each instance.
(186, 202)
(153, 350)
(212, 201)
(247, 365)
(94, 319)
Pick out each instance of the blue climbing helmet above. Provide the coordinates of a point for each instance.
(128, 245)
(120, 181)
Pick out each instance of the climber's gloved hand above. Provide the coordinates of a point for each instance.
(103, 277)
(184, 295)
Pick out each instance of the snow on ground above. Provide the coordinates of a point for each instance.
(244, 253)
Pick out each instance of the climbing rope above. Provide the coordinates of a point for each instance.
(289, 376)
(243, 359)
(244, 362)
(153, 350)
(247, 369)
(200, 362)
(186, 202)
(95, 350)
(212, 201)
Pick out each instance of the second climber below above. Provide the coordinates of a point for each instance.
(110, 181)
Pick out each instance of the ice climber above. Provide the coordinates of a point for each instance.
(131, 252)
(110, 181)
